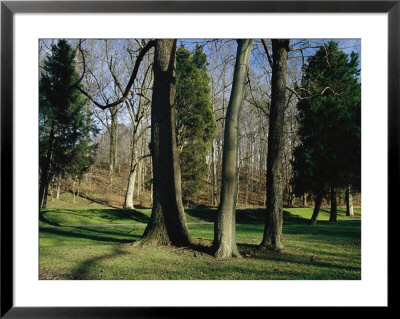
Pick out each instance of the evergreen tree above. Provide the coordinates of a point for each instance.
(195, 120)
(64, 120)
(329, 115)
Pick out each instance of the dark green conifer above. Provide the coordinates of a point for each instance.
(329, 156)
(64, 120)
(195, 120)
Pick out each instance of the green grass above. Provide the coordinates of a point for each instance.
(325, 251)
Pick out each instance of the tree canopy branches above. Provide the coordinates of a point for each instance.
(127, 89)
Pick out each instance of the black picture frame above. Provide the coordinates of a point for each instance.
(9, 8)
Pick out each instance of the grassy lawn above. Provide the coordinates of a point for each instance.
(101, 248)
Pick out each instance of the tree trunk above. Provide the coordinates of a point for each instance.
(129, 192)
(314, 217)
(304, 200)
(139, 180)
(156, 230)
(112, 132)
(214, 174)
(274, 213)
(333, 214)
(349, 202)
(45, 172)
(51, 190)
(58, 190)
(79, 187)
(225, 224)
(168, 222)
(128, 203)
(73, 189)
(42, 189)
(58, 187)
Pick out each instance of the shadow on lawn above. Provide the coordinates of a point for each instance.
(97, 235)
(253, 251)
(107, 214)
(83, 269)
(204, 215)
(247, 216)
(91, 199)
(43, 218)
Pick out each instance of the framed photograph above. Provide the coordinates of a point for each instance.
(345, 262)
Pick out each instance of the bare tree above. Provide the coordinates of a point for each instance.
(274, 214)
(138, 113)
(225, 224)
(168, 222)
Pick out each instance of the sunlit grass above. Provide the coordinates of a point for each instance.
(325, 251)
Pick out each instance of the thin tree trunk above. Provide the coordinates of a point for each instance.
(272, 238)
(131, 188)
(79, 187)
(139, 180)
(73, 189)
(45, 175)
(214, 174)
(112, 132)
(167, 222)
(58, 189)
(318, 201)
(51, 190)
(333, 214)
(349, 202)
(91, 177)
(225, 224)
(151, 193)
(45, 196)
(304, 200)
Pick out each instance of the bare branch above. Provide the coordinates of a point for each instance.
(264, 43)
(139, 59)
(306, 47)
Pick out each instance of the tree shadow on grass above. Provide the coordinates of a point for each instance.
(116, 214)
(247, 216)
(91, 199)
(82, 271)
(43, 218)
(202, 246)
(94, 214)
(325, 231)
(100, 236)
(204, 215)
(253, 251)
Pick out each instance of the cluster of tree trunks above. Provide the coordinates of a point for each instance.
(167, 223)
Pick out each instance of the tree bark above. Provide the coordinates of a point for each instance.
(225, 224)
(304, 200)
(333, 214)
(58, 187)
(318, 201)
(73, 189)
(45, 172)
(214, 174)
(139, 180)
(128, 203)
(168, 222)
(349, 202)
(112, 133)
(131, 188)
(274, 213)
